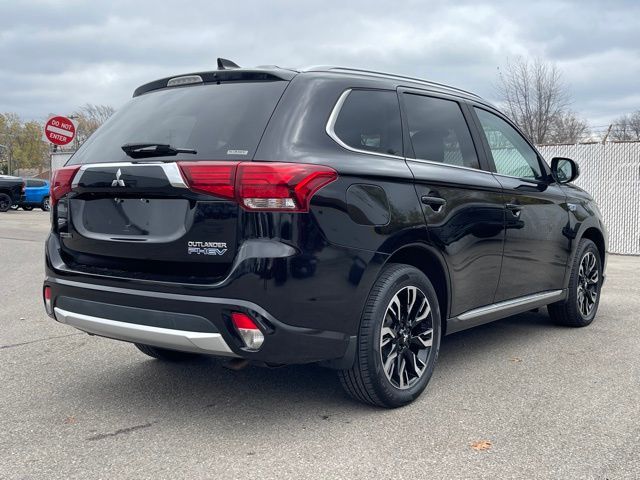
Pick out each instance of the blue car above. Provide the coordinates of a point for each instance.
(36, 195)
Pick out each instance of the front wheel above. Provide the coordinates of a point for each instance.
(45, 205)
(398, 341)
(583, 297)
(28, 208)
(5, 202)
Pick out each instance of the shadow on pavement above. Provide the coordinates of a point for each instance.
(204, 391)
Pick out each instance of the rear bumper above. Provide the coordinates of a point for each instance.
(191, 323)
(184, 340)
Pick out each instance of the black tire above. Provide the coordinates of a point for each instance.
(366, 380)
(15, 206)
(27, 208)
(45, 206)
(5, 202)
(571, 312)
(166, 354)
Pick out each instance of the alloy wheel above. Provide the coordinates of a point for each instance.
(406, 337)
(588, 279)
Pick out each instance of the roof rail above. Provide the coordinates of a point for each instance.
(321, 68)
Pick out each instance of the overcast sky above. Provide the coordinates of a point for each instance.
(57, 55)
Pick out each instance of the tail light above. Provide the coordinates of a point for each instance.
(61, 183)
(47, 301)
(214, 178)
(248, 330)
(259, 186)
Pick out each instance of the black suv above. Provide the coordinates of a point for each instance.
(11, 191)
(330, 215)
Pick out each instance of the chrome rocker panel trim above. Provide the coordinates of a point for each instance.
(503, 309)
(196, 342)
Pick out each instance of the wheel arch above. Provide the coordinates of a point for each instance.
(434, 267)
(596, 236)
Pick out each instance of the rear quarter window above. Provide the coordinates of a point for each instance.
(369, 121)
(220, 121)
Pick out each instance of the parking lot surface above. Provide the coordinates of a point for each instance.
(518, 398)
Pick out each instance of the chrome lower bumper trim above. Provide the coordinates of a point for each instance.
(197, 342)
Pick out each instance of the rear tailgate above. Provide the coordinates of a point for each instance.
(135, 218)
(143, 221)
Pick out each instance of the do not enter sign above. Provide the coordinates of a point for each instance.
(59, 130)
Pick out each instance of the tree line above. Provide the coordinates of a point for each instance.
(21, 143)
(537, 99)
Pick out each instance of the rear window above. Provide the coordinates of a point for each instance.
(220, 121)
(369, 120)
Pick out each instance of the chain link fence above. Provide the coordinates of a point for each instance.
(611, 173)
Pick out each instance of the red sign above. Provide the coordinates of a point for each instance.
(59, 130)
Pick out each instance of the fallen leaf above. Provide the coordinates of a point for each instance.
(70, 420)
(515, 359)
(481, 445)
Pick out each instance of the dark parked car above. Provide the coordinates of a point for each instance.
(330, 215)
(36, 195)
(11, 190)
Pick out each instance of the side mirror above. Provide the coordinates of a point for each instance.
(564, 170)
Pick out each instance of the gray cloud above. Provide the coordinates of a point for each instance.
(56, 55)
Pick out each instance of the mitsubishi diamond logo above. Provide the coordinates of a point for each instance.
(117, 182)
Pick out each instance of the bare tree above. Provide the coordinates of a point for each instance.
(89, 118)
(568, 128)
(535, 96)
(626, 128)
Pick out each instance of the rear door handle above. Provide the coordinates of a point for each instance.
(436, 203)
(515, 208)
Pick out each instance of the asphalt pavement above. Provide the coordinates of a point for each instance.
(518, 398)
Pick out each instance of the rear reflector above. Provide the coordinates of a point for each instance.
(261, 186)
(61, 182)
(47, 301)
(248, 330)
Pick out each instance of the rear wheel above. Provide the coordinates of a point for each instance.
(28, 208)
(45, 206)
(15, 206)
(5, 202)
(398, 341)
(580, 307)
(166, 354)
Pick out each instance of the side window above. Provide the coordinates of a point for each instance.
(29, 183)
(439, 131)
(38, 183)
(511, 153)
(370, 120)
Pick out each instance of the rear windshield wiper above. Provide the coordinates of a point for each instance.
(146, 150)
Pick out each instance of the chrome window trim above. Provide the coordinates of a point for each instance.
(170, 169)
(442, 164)
(330, 129)
(526, 179)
